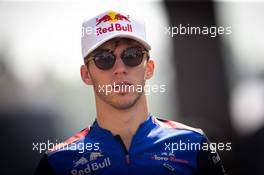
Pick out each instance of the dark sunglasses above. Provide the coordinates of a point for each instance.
(105, 59)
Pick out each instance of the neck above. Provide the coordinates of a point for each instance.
(123, 122)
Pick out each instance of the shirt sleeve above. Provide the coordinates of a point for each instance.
(208, 161)
(43, 167)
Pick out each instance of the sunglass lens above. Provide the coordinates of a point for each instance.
(104, 60)
(132, 56)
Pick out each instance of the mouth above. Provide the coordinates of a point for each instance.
(121, 86)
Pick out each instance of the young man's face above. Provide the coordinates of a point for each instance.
(120, 86)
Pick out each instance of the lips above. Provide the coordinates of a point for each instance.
(122, 83)
(121, 86)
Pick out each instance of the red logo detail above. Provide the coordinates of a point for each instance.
(112, 17)
(105, 18)
(120, 17)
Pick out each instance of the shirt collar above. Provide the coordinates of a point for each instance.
(144, 128)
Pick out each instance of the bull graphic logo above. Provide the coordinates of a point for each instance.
(95, 155)
(112, 17)
(81, 161)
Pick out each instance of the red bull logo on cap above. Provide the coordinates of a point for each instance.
(113, 18)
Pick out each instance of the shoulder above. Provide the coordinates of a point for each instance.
(73, 139)
(169, 124)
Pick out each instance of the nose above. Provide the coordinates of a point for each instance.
(119, 67)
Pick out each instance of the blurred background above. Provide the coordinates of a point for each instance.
(214, 83)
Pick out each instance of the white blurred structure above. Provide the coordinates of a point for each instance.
(244, 53)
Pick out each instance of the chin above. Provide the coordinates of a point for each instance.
(122, 106)
(124, 101)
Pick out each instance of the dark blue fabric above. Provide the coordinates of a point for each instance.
(154, 150)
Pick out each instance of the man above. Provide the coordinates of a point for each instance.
(126, 138)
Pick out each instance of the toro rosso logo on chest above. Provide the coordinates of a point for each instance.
(113, 19)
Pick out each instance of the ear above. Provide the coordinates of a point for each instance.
(85, 74)
(150, 69)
